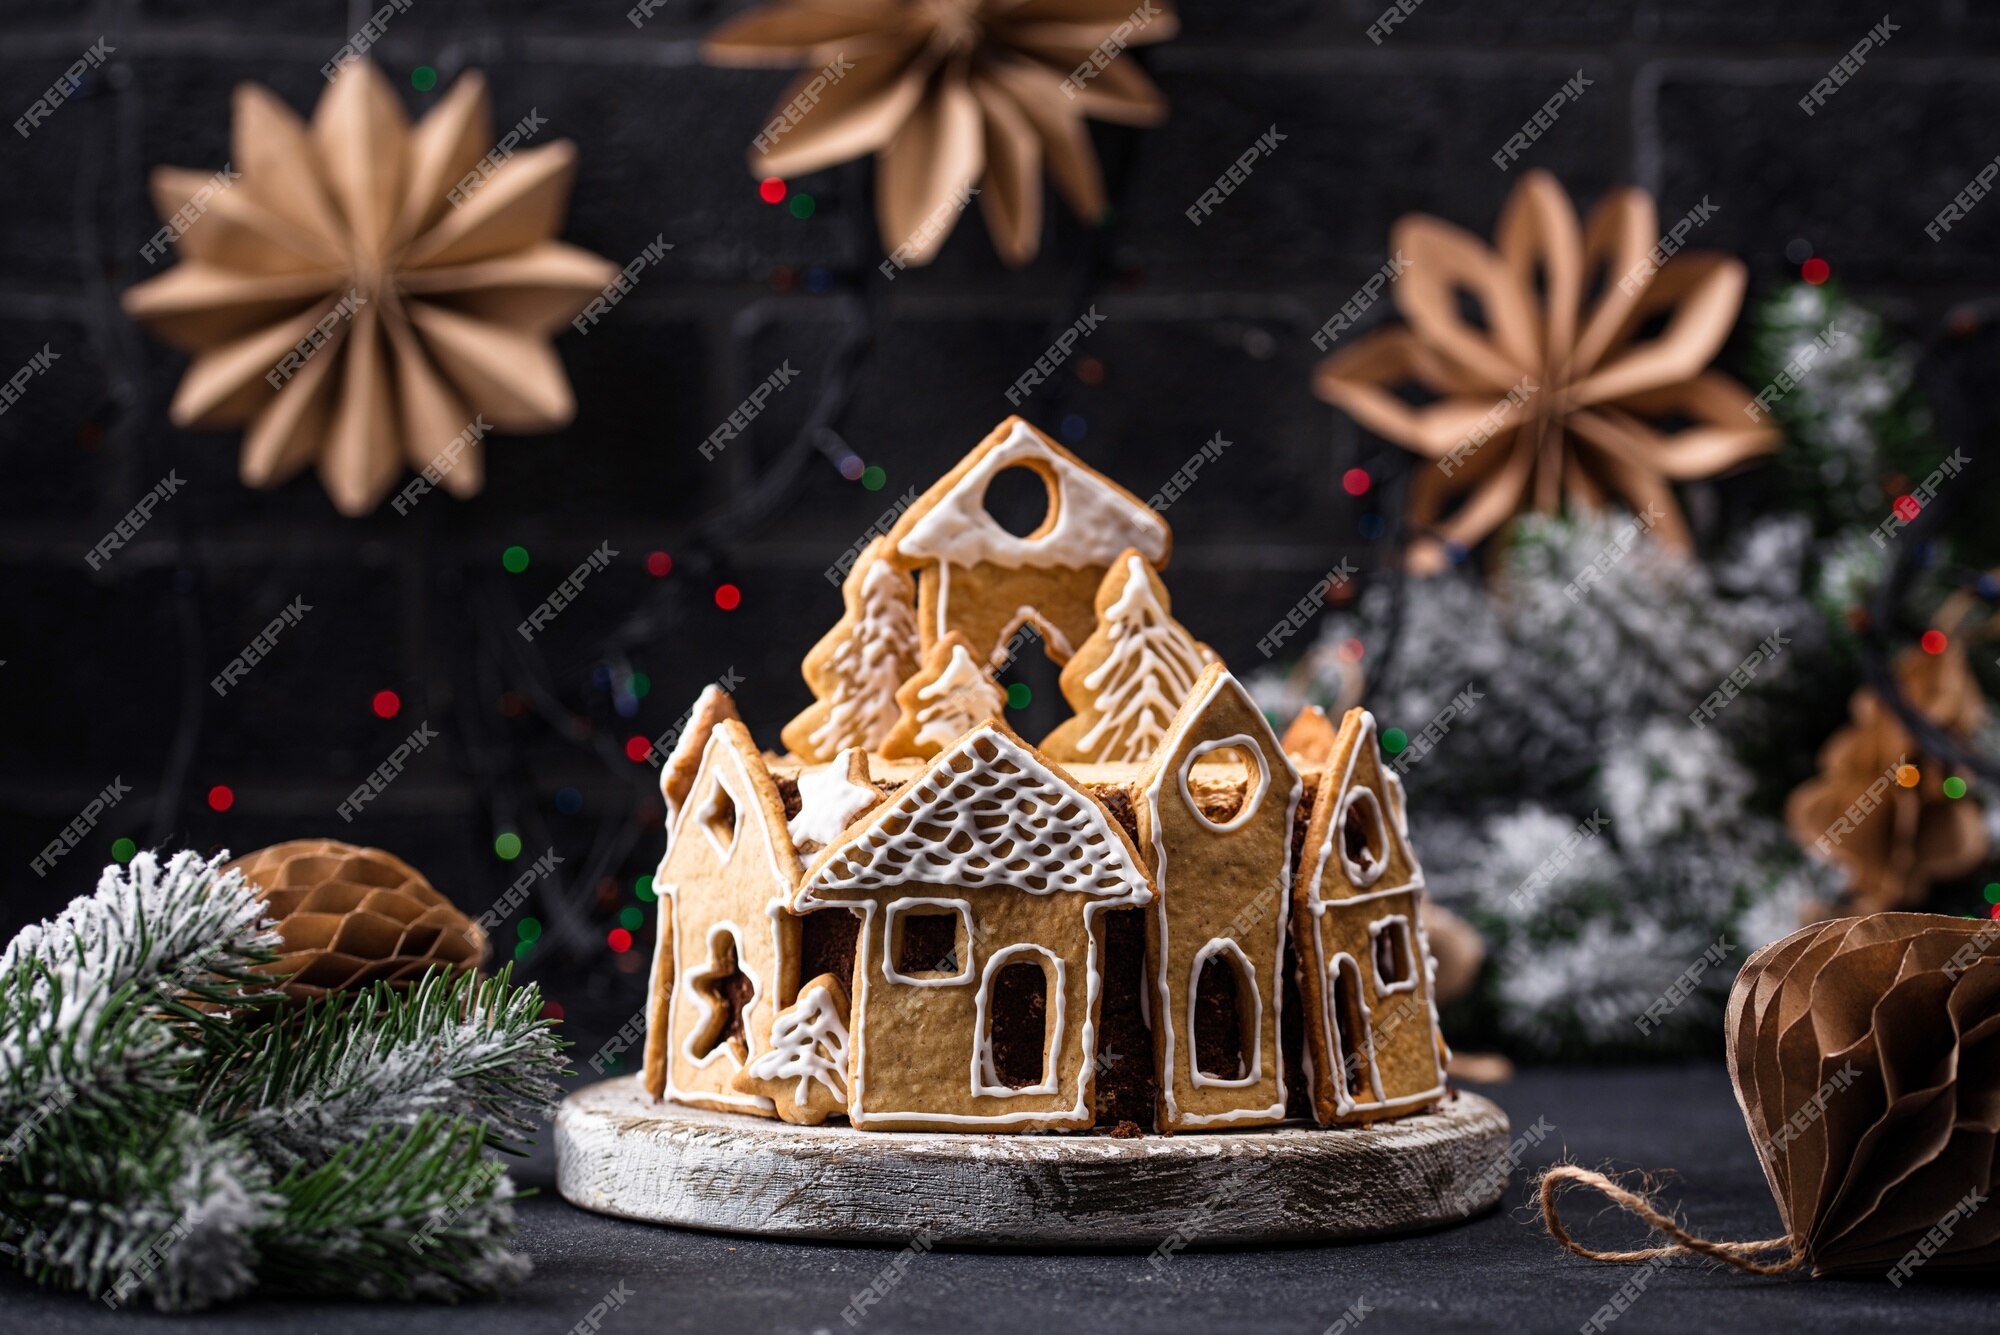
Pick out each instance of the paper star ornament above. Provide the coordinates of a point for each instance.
(370, 295)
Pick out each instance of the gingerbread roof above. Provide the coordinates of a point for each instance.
(1091, 518)
(989, 811)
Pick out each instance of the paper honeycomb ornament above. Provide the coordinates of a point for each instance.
(1866, 1057)
(352, 916)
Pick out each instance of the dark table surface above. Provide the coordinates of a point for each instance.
(1498, 1272)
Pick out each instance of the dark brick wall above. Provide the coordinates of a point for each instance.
(1206, 330)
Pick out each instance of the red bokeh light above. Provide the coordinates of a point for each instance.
(658, 564)
(387, 704)
(1356, 481)
(771, 190)
(1815, 271)
(1933, 641)
(728, 597)
(220, 798)
(619, 940)
(637, 749)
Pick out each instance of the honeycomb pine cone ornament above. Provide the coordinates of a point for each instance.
(353, 916)
(1866, 1056)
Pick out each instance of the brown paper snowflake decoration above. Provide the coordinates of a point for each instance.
(368, 295)
(1557, 391)
(1893, 839)
(954, 97)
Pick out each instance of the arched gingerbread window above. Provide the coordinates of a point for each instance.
(1225, 1017)
(1020, 1022)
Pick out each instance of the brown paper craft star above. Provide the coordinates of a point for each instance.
(345, 310)
(951, 95)
(1558, 391)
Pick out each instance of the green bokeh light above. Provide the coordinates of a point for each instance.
(631, 917)
(423, 78)
(122, 850)
(515, 559)
(643, 888)
(507, 846)
(1394, 740)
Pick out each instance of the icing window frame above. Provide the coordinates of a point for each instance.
(892, 917)
(1337, 831)
(684, 986)
(1403, 948)
(708, 816)
(986, 1082)
(1261, 784)
(1356, 1066)
(1252, 1024)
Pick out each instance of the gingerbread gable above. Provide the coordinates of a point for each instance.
(729, 952)
(978, 578)
(990, 811)
(1222, 864)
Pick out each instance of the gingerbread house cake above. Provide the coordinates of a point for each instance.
(1164, 917)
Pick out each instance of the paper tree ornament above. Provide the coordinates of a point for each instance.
(1558, 392)
(370, 295)
(1894, 839)
(1128, 680)
(952, 693)
(854, 671)
(955, 97)
(354, 916)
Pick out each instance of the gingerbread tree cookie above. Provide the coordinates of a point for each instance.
(1132, 675)
(951, 694)
(804, 1072)
(855, 669)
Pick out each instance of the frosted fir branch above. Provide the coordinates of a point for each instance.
(330, 1074)
(79, 991)
(169, 1215)
(189, 929)
(404, 1212)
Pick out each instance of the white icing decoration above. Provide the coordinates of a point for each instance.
(711, 812)
(879, 652)
(1045, 830)
(1251, 803)
(895, 909)
(1092, 521)
(1142, 682)
(1024, 615)
(1343, 960)
(1282, 886)
(1239, 971)
(828, 803)
(808, 1040)
(985, 1079)
(1402, 925)
(1358, 876)
(1318, 904)
(685, 745)
(963, 696)
(1089, 858)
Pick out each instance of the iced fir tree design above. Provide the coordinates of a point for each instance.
(809, 1044)
(1131, 676)
(951, 694)
(870, 652)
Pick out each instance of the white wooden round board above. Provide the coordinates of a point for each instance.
(620, 1153)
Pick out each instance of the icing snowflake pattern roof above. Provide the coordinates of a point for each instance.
(1095, 519)
(988, 812)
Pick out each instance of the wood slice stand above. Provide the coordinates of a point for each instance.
(620, 1153)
